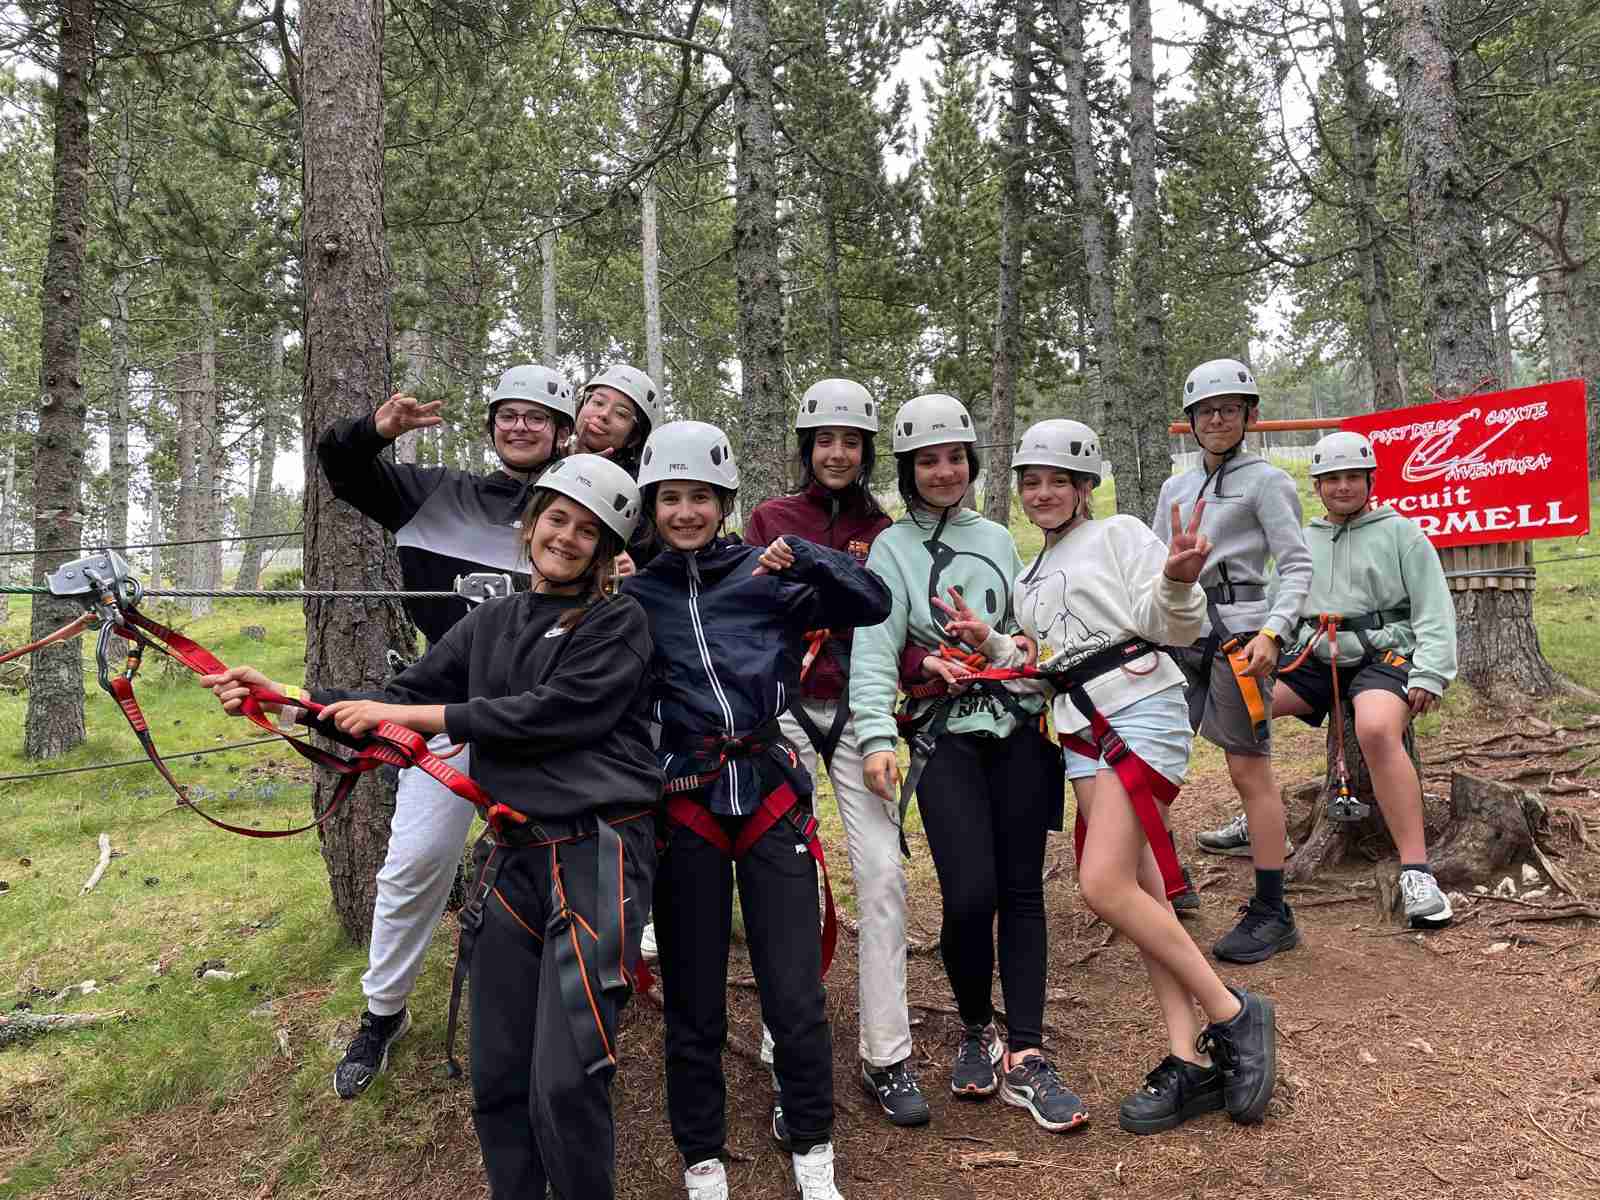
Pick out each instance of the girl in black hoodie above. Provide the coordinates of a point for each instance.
(549, 688)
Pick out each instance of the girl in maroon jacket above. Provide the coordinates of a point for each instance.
(837, 425)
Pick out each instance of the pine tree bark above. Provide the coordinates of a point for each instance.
(8, 513)
(650, 264)
(1008, 292)
(547, 306)
(1377, 298)
(117, 407)
(249, 577)
(346, 374)
(187, 368)
(1116, 435)
(1498, 646)
(207, 512)
(757, 271)
(1147, 409)
(54, 722)
(1583, 320)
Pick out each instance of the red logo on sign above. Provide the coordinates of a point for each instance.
(1496, 467)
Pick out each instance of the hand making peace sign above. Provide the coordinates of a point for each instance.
(1189, 548)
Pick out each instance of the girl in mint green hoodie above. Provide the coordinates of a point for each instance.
(1395, 650)
(992, 784)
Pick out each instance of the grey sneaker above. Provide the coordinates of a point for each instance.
(1233, 839)
(973, 1073)
(1426, 906)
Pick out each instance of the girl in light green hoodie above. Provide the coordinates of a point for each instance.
(993, 783)
(1395, 648)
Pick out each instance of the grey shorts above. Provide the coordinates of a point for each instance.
(1227, 721)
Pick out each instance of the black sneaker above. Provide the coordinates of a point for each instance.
(368, 1054)
(1186, 903)
(1175, 1091)
(780, 1130)
(1262, 931)
(973, 1072)
(1034, 1085)
(1245, 1050)
(895, 1089)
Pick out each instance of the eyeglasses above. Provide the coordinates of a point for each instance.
(533, 420)
(1228, 412)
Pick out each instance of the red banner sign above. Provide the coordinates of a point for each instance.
(1495, 467)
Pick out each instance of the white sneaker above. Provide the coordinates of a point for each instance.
(647, 942)
(1425, 904)
(1233, 839)
(707, 1180)
(813, 1173)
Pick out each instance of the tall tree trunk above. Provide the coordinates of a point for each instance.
(1501, 318)
(411, 347)
(1498, 644)
(346, 374)
(1013, 237)
(547, 304)
(832, 302)
(249, 577)
(187, 368)
(8, 514)
(755, 259)
(1148, 404)
(54, 722)
(117, 409)
(1583, 321)
(1116, 432)
(1554, 309)
(651, 264)
(207, 450)
(1377, 298)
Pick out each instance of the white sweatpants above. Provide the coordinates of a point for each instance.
(426, 837)
(873, 840)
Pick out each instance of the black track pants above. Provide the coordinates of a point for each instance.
(693, 915)
(986, 803)
(539, 1116)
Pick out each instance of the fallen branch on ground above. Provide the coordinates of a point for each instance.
(99, 867)
(17, 1027)
(1563, 913)
(1328, 900)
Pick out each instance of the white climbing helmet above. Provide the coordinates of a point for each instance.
(689, 450)
(1220, 377)
(837, 402)
(632, 383)
(932, 420)
(601, 486)
(538, 384)
(1342, 451)
(1065, 445)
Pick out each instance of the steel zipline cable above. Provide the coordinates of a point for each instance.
(238, 537)
(137, 762)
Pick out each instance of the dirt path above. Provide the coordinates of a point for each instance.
(1406, 1063)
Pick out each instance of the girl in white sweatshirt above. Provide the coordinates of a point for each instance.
(1098, 601)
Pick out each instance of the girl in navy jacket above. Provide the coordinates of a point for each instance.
(729, 624)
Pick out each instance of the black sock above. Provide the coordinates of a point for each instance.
(1421, 866)
(1269, 887)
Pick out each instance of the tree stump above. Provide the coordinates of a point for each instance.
(1322, 842)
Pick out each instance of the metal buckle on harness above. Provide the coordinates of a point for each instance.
(1347, 808)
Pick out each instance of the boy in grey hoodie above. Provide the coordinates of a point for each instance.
(1252, 515)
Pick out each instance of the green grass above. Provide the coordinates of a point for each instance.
(262, 906)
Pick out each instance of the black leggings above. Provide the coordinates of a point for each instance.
(986, 804)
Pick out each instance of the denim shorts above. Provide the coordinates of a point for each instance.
(1155, 728)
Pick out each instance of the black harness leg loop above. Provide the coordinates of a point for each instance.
(470, 921)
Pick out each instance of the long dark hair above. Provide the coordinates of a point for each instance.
(906, 474)
(595, 584)
(858, 495)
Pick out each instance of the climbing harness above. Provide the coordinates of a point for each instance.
(779, 804)
(1146, 787)
(825, 741)
(1232, 647)
(1344, 806)
(111, 595)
